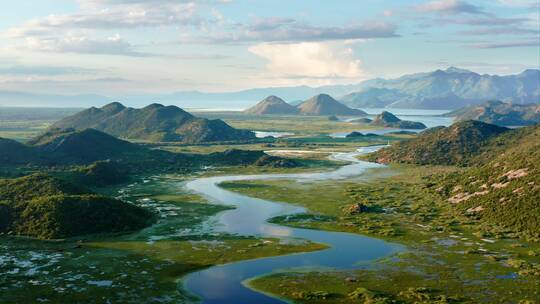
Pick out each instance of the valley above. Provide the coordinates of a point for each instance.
(312, 223)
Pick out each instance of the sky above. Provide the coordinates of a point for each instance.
(117, 47)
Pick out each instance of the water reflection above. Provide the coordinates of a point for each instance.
(224, 283)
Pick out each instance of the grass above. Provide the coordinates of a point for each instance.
(140, 267)
(23, 130)
(446, 260)
(298, 124)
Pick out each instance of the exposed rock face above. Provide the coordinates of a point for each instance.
(324, 104)
(153, 123)
(272, 105)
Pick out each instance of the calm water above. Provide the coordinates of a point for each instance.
(263, 134)
(431, 118)
(224, 283)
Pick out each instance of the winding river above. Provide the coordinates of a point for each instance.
(225, 283)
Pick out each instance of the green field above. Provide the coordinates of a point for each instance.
(446, 259)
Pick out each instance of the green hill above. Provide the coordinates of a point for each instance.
(153, 123)
(457, 144)
(500, 113)
(502, 194)
(16, 153)
(82, 146)
(272, 105)
(44, 207)
(324, 104)
(389, 120)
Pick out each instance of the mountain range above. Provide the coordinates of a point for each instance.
(154, 122)
(446, 89)
(441, 89)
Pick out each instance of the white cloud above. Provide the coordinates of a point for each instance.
(124, 16)
(286, 30)
(450, 7)
(114, 45)
(309, 60)
(521, 3)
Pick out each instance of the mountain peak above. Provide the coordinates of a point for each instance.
(153, 106)
(272, 105)
(456, 70)
(324, 104)
(387, 117)
(113, 107)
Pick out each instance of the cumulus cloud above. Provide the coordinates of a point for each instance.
(289, 30)
(309, 60)
(450, 7)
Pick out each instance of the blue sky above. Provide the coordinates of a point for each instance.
(117, 47)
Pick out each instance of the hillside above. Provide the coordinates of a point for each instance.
(500, 113)
(452, 88)
(389, 120)
(152, 123)
(503, 192)
(457, 144)
(106, 154)
(48, 208)
(82, 146)
(326, 105)
(15, 153)
(272, 105)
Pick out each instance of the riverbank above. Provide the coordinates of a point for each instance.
(445, 259)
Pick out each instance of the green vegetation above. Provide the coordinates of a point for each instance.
(446, 260)
(454, 145)
(152, 123)
(502, 194)
(48, 208)
(143, 266)
(500, 113)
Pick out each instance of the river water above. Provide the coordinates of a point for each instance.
(225, 283)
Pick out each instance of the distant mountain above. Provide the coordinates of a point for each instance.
(500, 113)
(389, 120)
(457, 144)
(153, 123)
(446, 89)
(324, 104)
(272, 105)
(191, 99)
(45, 207)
